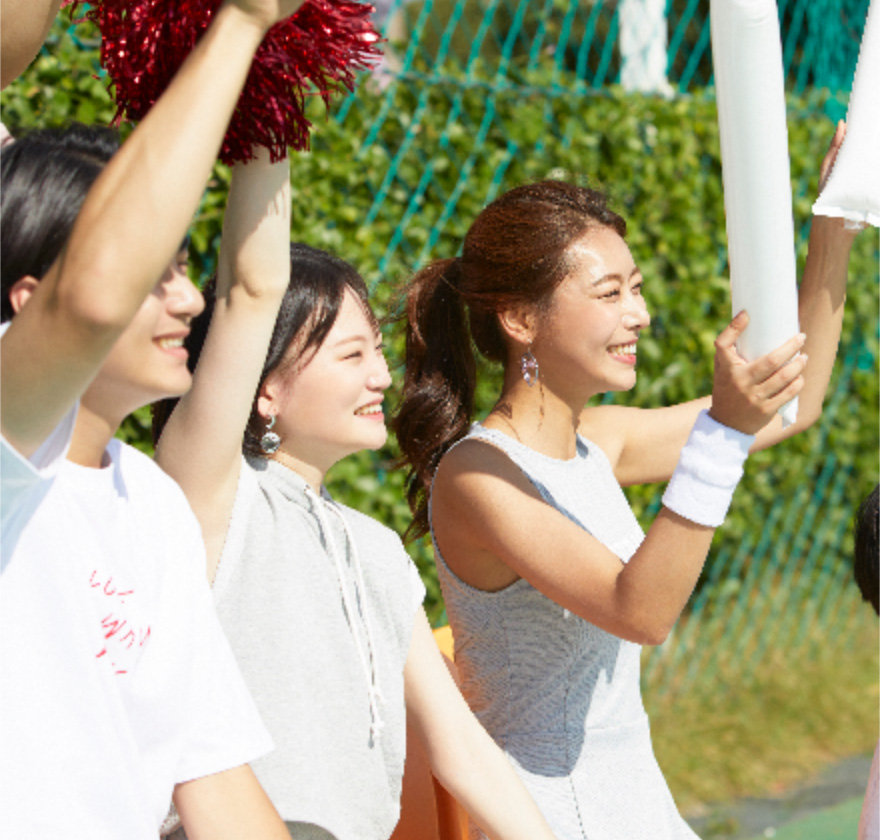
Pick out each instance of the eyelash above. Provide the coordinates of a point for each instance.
(357, 354)
(637, 290)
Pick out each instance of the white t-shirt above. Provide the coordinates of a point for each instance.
(116, 682)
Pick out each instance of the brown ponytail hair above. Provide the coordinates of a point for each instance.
(516, 252)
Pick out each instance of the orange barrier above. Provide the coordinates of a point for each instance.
(427, 810)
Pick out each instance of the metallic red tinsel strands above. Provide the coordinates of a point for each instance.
(319, 50)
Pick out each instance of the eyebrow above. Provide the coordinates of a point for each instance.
(351, 339)
(615, 276)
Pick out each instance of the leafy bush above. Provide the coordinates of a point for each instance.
(399, 174)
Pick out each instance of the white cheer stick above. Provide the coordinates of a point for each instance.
(747, 55)
(853, 190)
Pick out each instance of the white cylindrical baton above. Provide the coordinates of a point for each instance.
(747, 55)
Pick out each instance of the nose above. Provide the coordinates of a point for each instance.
(636, 315)
(181, 295)
(380, 377)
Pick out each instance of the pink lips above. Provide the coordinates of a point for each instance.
(371, 411)
(173, 345)
(624, 353)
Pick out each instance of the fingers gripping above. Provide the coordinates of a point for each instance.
(746, 395)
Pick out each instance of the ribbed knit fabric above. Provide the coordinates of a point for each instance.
(558, 694)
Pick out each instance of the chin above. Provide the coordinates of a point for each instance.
(178, 386)
(622, 387)
(376, 440)
(167, 390)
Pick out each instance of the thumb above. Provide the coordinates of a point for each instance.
(726, 342)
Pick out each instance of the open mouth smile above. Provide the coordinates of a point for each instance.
(372, 410)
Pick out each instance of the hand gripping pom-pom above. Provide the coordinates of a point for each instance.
(317, 50)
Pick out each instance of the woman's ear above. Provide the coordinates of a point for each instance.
(270, 395)
(519, 323)
(21, 292)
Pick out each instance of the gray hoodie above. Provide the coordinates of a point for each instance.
(318, 602)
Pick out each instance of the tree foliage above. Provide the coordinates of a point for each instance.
(399, 174)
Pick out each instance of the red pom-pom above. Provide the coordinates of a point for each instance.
(316, 51)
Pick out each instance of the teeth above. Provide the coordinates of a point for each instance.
(370, 409)
(624, 349)
(166, 343)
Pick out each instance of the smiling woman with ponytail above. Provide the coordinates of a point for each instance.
(549, 582)
(515, 253)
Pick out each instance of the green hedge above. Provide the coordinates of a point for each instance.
(401, 173)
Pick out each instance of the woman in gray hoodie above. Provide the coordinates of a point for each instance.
(321, 604)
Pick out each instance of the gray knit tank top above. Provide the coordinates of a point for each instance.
(558, 694)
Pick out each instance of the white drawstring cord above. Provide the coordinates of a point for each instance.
(369, 668)
(375, 689)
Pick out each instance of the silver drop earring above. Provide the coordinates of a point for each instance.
(270, 441)
(528, 364)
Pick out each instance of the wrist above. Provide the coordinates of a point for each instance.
(833, 233)
(709, 469)
(255, 25)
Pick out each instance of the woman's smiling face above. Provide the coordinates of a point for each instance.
(586, 337)
(329, 404)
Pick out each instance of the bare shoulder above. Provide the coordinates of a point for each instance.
(478, 496)
(472, 467)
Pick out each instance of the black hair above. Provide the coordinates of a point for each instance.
(867, 549)
(308, 311)
(45, 177)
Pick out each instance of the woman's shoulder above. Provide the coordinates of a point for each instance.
(469, 463)
(471, 474)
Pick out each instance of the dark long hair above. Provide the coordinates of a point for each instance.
(516, 252)
(867, 549)
(45, 177)
(309, 309)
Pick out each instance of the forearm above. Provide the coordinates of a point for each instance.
(228, 806)
(254, 262)
(130, 226)
(654, 586)
(484, 783)
(820, 308)
(463, 757)
(200, 446)
(138, 210)
(821, 297)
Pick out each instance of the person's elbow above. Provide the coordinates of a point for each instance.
(96, 297)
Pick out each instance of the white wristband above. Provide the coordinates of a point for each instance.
(709, 468)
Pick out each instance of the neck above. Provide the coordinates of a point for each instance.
(537, 416)
(92, 433)
(314, 475)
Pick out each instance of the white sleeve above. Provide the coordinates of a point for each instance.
(19, 476)
(225, 729)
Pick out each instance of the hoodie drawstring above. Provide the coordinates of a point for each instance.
(368, 660)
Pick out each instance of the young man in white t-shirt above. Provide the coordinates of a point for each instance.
(116, 686)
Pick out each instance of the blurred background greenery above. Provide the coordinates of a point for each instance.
(773, 668)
